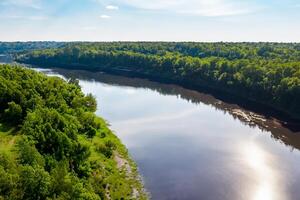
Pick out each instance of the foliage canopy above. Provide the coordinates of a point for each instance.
(48, 148)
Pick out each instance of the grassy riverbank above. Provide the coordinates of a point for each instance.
(53, 146)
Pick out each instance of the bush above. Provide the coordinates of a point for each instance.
(107, 148)
(13, 114)
(28, 154)
(35, 183)
(91, 132)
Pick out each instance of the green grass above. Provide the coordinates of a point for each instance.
(116, 181)
(8, 138)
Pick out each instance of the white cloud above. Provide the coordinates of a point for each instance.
(35, 4)
(105, 16)
(112, 7)
(197, 7)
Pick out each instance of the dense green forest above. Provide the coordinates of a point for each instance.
(266, 73)
(53, 146)
(14, 47)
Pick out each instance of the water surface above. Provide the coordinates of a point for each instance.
(4, 58)
(189, 145)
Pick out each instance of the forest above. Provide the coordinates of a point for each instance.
(14, 47)
(266, 73)
(53, 146)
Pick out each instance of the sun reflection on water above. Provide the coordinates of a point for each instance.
(266, 177)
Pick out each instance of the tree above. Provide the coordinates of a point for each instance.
(13, 114)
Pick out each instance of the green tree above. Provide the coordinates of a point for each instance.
(13, 114)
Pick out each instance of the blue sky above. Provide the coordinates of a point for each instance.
(150, 20)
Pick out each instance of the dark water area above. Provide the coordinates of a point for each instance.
(5, 58)
(190, 145)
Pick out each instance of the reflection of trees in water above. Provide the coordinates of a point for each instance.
(279, 132)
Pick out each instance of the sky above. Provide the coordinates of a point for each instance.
(150, 20)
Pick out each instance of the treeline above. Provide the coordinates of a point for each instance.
(52, 145)
(14, 47)
(268, 73)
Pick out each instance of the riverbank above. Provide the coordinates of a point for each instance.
(118, 174)
(122, 179)
(270, 112)
(52, 144)
(263, 74)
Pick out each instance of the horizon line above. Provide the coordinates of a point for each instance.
(150, 41)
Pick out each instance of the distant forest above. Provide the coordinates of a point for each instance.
(14, 47)
(267, 73)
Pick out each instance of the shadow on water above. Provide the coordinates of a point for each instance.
(280, 131)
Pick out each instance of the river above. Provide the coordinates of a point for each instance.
(189, 145)
(4, 58)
